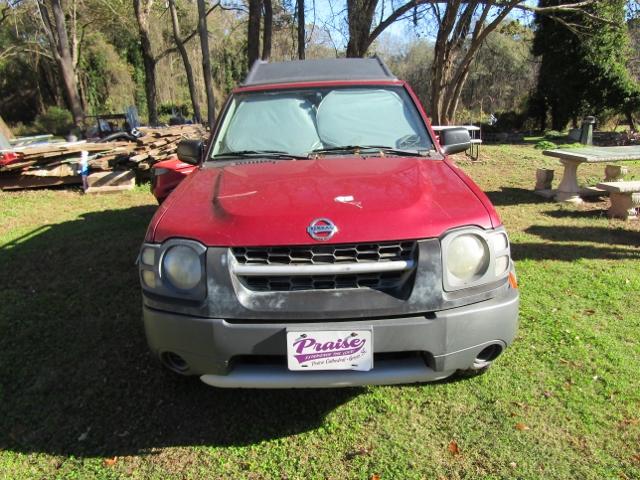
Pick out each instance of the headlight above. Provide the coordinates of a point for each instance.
(175, 268)
(472, 257)
(467, 257)
(182, 267)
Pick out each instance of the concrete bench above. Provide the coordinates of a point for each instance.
(625, 198)
(571, 158)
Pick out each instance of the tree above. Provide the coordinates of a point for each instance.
(206, 61)
(463, 26)
(359, 18)
(142, 10)
(584, 64)
(268, 30)
(501, 77)
(177, 37)
(64, 52)
(462, 29)
(301, 28)
(253, 32)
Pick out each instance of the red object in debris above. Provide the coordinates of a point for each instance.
(8, 158)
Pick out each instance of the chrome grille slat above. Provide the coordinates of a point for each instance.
(382, 266)
(325, 254)
(323, 282)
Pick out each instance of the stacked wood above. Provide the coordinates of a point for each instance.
(60, 163)
(116, 181)
(159, 144)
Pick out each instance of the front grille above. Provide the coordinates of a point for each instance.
(325, 254)
(369, 253)
(289, 283)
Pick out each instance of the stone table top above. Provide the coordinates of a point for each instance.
(596, 154)
(620, 187)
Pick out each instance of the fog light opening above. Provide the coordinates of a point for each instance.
(174, 362)
(487, 355)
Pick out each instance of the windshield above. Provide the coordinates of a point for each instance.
(299, 122)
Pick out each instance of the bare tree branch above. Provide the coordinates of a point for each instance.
(191, 35)
(4, 14)
(566, 7)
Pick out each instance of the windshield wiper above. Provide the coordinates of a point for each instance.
(258, 153)
(380, 148)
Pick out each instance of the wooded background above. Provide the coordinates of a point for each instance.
(532, 65)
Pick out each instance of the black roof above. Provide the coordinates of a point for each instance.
(318, 70)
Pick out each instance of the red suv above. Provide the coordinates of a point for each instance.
(325, 239)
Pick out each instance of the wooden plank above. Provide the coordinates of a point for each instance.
(139, 157)
(62, 170)
(112, 189)
(160, 143)
(17, 166)
(119, 178)
(109, 182)
(8, 182)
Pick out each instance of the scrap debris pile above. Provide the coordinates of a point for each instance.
(110, 164)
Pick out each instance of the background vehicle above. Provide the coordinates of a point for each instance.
(166, 175)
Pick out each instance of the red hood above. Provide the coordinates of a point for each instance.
(273, 203)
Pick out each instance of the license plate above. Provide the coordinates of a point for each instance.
(330, 350)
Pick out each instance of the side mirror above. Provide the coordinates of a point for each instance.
(455, 140)
(190, 151)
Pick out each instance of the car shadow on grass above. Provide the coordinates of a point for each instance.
(508, 196)
(76, 376)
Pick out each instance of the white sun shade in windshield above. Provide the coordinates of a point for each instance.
(273, 122)
(368, 117)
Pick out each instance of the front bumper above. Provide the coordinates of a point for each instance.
(449, 340)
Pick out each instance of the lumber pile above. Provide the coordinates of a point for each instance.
(60, 163)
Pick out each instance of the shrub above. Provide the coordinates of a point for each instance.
(510, 121)
(545, 145)
(554, 135)
(55, 120)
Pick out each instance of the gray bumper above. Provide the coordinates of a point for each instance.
(450, 339)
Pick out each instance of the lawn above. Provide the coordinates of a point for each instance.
(81, 397)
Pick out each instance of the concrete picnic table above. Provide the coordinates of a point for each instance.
(571, 158)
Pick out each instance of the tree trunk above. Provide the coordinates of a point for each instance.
(142, 9)
(206, 62)
(360, 18)
(301, 29)
(59, 43)
(253, 32)
(454, 52)
(185, 60)
(628, 114)
(268, 29)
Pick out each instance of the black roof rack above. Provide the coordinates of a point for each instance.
(318, 70)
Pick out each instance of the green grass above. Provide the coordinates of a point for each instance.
(81, 397)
